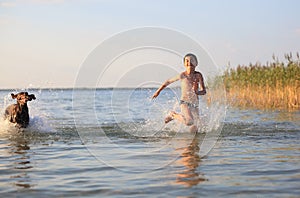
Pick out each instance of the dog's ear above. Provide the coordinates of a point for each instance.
(31, 97)
(14, 96)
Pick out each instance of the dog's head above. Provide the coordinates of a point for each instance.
(23, 97)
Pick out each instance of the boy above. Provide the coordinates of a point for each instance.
(189, 102)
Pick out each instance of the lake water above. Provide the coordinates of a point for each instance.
(96, 143)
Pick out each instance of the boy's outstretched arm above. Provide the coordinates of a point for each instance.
(164, 85)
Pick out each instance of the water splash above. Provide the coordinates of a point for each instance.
(38, 119)
(40, 124)
(36, 124)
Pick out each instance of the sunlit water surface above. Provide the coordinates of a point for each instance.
(131, 153)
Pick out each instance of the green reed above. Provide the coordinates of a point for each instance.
(274, 85)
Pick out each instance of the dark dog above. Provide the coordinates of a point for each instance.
(18, 113)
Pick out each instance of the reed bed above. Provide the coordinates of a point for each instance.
(275, 85)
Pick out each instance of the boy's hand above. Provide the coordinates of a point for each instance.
(155, 95)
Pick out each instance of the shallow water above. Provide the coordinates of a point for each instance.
(97, 145)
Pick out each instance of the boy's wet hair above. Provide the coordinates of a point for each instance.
(191, 55)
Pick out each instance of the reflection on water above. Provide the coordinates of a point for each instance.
(191, 161)
(258, 155)
(19, 151)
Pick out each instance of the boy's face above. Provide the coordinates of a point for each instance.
(190, 61)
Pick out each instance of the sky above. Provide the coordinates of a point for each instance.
(44, 43)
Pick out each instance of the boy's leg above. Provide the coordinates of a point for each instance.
(196, 118)
(185, 116)
(169, 117)
(193, 129)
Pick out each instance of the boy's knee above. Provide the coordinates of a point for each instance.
(193, 129)
(189, 122)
